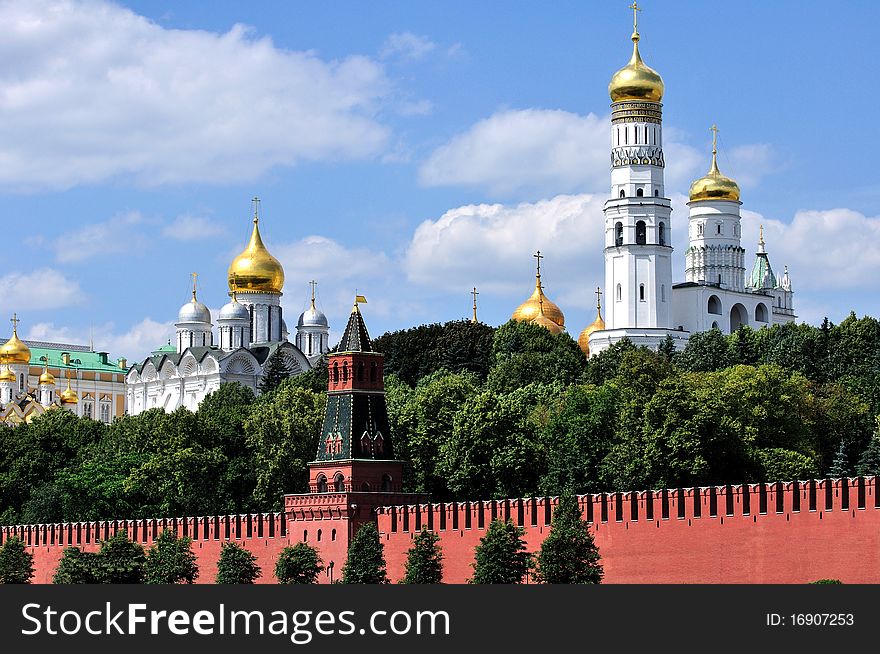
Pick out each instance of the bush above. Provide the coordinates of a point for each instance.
(299, 564)
(171, 560)
(237, 565)
(16, 563)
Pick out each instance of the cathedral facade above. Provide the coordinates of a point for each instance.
(642, 303)
(250, 330)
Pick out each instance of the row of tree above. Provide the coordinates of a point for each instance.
(480, 413)
(567, 555)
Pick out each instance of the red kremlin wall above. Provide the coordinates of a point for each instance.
(792, 532)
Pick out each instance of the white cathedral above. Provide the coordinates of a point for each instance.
(250, 329)
(641, 301)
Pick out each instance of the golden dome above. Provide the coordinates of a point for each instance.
(529, 310)
(69, 396)
(714, 185)
(7, 375)
(47, 377)
(597, 325)
(14, 350)
(255, 270)
(636, 80)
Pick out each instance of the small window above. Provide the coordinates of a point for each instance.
(641, 233)
(663, 292)
(322, 484)
(656, 192)
(661, 233)
(618, 234)
(640, 192)
(339, 483)
(319, 535)
(718, 228)
(619, 293)
(700, 229)
(642, 292)
(622, 193)
(386, 483)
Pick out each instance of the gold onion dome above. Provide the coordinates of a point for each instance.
(714, 185)
(7, 375)
(47, 377)
(636, 81)
(14, 350)
(255, 270)
(529, 310)
(545, 322)
(68, 395)
(597, 325)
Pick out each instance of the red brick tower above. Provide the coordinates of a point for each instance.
(354, 470)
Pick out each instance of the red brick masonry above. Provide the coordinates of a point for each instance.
(792, 532)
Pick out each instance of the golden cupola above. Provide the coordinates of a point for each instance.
(255, 270)
(7, 375)
(68, 395)
(14, 350)
(636, 81)
(47, 377)
(597, 325)
(545, 322)
(713, 185)
(538, 303)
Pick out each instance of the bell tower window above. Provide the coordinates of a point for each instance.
(641, 233)
(618, 234)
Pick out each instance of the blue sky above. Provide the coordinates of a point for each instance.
(409, 150)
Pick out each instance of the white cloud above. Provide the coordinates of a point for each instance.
(44, 288)
(546, 151)
(536, 149)
(191, 228)
(135, 343)
(407, 46)
(490, 246)
(91, 91)
(826, 251)
(113, 236)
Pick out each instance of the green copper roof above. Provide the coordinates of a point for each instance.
(762, 274)
(99, 361)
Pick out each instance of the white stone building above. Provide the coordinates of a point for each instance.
(641, 301)
(250, 329)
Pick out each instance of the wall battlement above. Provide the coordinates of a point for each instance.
(785, 532)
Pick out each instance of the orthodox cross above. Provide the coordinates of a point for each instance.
(14, 320)
(475, 294)
(313, 284)
(538, 256)
(598, 297)
(714, 130)
(635, 7)
(195, 277)
(234, 283)
(256, 203)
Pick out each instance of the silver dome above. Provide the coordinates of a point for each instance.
(234, 311)
(194, 311)
(311, 317)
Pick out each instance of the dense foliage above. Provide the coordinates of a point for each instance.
(501, 557)
(16, 563)
(480, 413)
(568, 555)
(118, 561)
(424, 561)
(237, 565)
(171, 560)
(299, 564)
(365, 563)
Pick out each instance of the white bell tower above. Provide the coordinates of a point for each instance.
(638, 242)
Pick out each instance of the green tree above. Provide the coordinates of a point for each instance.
(501, 557)
(237, 565)
(840, 465)
(366, 558)
(569, 555)
(779, 464)
(667, 348)
(833, 582)
(459, 346)
(77, 567)
(171, 560)
(282, 434)
(493, 450)
(424, 561)
(300, 564)
(707, 352)
(869, 461)
(524, 353)
(121, 561)
(277, 370)
(16, 563)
